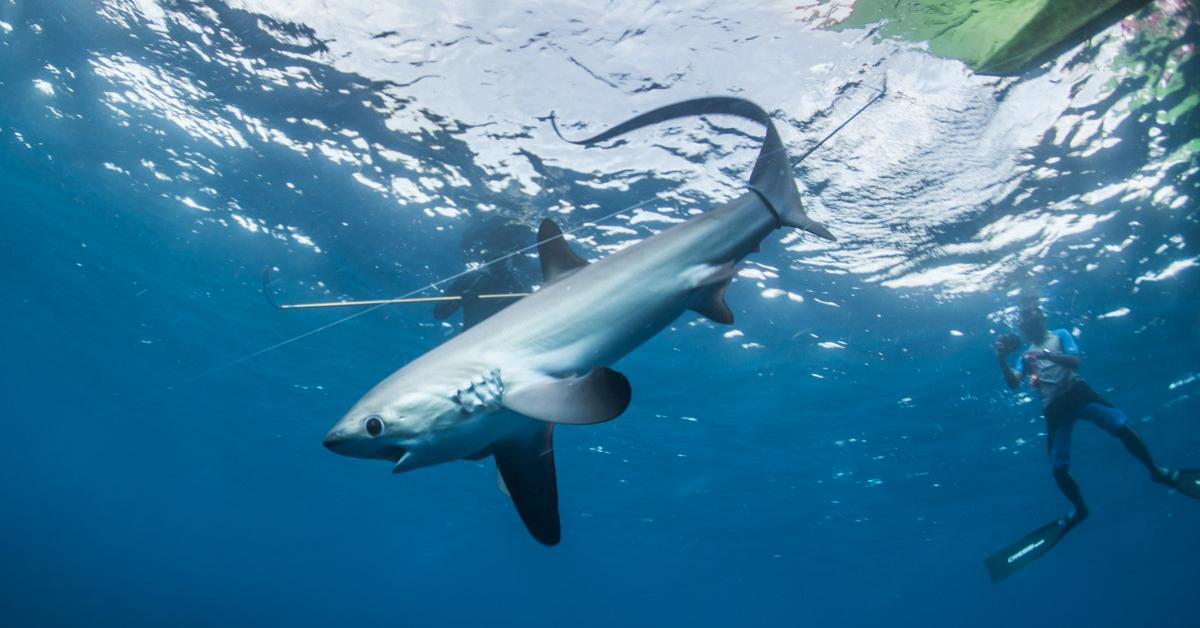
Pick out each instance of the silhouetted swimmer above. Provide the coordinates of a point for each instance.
(482, 243)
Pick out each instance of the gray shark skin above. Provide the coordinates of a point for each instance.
(500, 387)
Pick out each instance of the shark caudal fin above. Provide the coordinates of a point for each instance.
(772, 178)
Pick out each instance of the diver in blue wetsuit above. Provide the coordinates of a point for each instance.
(1051, 361)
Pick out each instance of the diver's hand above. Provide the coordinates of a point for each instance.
(1007, 344)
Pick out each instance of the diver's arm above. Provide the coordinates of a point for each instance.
(1061, 359)
(1069, 357)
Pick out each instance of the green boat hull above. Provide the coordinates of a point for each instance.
(994, 37)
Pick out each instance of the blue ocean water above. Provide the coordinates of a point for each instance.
(844, 454)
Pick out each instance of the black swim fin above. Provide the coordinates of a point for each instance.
(1187, 481)
(1031, 547)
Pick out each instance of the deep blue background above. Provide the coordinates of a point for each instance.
(136, 495)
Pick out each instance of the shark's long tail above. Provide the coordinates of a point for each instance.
(772, 179)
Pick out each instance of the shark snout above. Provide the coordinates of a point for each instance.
(336, 440)
(350, 442)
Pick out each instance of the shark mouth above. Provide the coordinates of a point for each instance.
(401, 455)
(395, 453)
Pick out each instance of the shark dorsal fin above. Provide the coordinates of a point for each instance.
(557, 258)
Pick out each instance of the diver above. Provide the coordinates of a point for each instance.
(1051, 361)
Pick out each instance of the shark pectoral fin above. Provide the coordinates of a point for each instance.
(556, 256)
(526, 465)
(711, 305)
(601, 395)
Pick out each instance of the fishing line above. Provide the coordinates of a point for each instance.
(881, 91)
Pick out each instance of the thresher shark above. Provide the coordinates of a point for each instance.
(499, 388)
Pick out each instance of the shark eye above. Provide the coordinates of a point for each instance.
(374, 426)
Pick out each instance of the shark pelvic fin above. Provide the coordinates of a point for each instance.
(711, 305)
(525, 462)
(556, 256)
(601, 395)
(710, 282)
(772, 178)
